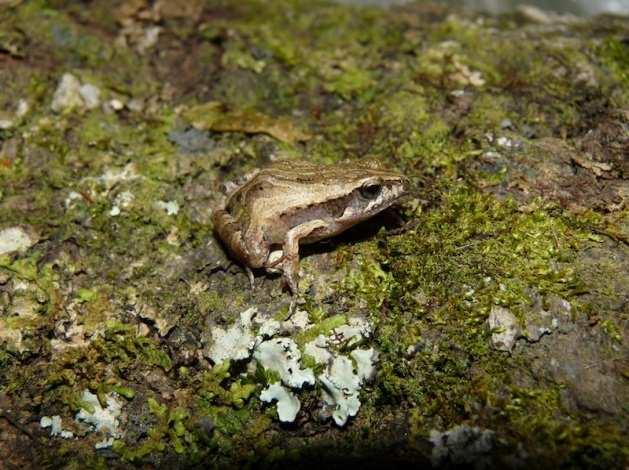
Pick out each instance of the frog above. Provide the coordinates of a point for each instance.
(274, 209)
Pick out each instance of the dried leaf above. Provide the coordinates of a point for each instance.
(211, 116)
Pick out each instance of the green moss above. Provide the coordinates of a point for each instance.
(169, 432)
(403, 110)
(86, 295)
(349, 82)
(209, 301)
(575, 445)
(215, 390)
(616, 57)
(120, 345)
(323, 327)
(54, 29)
(235, 56)
(488, 112)
(437, 283)
(241, 392)
(611, 329)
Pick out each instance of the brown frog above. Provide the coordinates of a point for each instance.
(291, 202)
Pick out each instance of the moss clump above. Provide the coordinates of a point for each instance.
(324, 327)
(121, 346)
(436, 285)
(616, 57)
(168, 432)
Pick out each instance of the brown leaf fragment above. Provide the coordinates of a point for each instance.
(10, 3)
(211, 116)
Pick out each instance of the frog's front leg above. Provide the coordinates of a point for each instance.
(290, 256)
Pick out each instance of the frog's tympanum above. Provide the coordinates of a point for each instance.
(292, 202)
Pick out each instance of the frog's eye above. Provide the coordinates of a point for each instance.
(370, 191)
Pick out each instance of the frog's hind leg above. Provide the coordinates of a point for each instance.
(231, 235)
(290, 256)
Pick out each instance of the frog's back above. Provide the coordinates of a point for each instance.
(304, 172)
(277, 194)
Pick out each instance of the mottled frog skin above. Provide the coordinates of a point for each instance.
(291, 202)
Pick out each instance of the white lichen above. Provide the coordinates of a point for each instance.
(90, 95)
(281, 355)
(22, 108)
(71, 94)
(171, 207)
(12, 338)
(122, 201)
(340, 392)
(56, 426)
(317, 349)
(235, 342)
(287, 403)
(264, 338)
(69, 332)
(104, 444)
(6, 121)
(365, 362)
(114, 176)
(505, 142)
(342, 383)
(299, 321)
(101, 419)
(268, 327)
(72, 196)
(149, 39)
(115, 104)
(355, 331)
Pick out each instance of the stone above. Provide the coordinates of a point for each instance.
(505, 328)
(461, 445)
(15, 239)
(67, 95)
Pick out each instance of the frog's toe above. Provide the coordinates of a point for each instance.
(291, 280)
(252, 280)
(292, 286)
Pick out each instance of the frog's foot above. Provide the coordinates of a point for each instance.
(292, 307)
(288, 265)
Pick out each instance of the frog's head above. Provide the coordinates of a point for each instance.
(374, 189)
